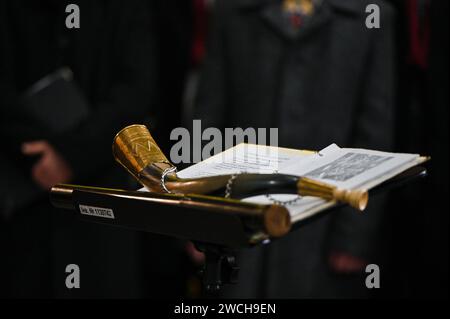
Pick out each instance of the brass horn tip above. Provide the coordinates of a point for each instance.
(358, 199)
(277, 221)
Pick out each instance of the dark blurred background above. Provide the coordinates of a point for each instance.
(309, 67)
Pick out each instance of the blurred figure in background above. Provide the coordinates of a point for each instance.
(310, 68)
(419, 242)
(109, 67)
(317, 73)
(175, 23)
(165, 260)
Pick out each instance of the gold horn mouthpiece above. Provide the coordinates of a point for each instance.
(136, 150)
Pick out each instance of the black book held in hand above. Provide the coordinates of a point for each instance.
(55, 103)
(51, 106)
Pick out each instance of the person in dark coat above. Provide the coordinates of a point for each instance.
(112, 57)
(420, 225)
(323, 79)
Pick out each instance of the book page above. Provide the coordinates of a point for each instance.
(247, 158)
(350, 168)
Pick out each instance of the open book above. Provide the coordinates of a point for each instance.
(345, 168)
(214, 202)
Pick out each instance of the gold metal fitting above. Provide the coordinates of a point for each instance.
(355, 198)
(277, 221)
(134, 148)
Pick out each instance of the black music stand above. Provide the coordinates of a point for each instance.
(218, 236)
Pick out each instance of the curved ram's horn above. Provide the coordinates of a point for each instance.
(136, 150)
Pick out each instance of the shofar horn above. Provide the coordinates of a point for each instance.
(136, 150)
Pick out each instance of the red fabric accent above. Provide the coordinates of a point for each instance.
(199, 32)
(419, 35)
(296, 20)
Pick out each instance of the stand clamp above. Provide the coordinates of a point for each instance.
(220, 267)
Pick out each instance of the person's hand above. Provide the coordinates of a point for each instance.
(344, 263)
(51, 168)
